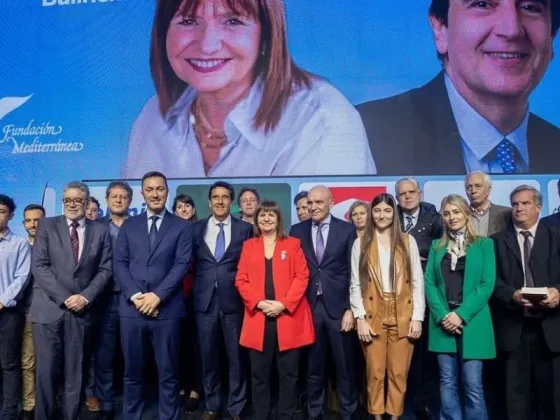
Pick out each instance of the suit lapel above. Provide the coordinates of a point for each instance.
(234, 234)
(88, 237)
(513, 244)
(540, 247)
(203, 243)
(165, 224)
(491, 218)
(64, 232)
(440, 135)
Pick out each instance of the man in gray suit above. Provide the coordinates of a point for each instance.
(488, 218)
(72, 260)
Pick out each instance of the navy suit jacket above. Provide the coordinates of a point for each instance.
(416, 133)
(208, 271)
(160, 271)
(334, 269)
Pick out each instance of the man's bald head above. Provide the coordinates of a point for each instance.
(320, 202)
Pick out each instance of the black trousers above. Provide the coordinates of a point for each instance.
(287, 363)
(11, 334)
(190, 359)
(531, 371)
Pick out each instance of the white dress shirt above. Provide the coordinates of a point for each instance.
(81, 229)
(317, 127)
(521, 242)
(413, 216)
(212, 230)
(418, 299)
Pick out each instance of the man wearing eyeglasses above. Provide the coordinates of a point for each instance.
(72, 260)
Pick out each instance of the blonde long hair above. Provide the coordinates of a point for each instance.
(459, 202)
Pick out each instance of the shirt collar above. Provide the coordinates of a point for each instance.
(483, 212)
(532, 230)
(81, 222)
(325, 222)
(7, 235)
(151, 213)
(479, 134)
(413, 215)
(216, 222)
(240, 119)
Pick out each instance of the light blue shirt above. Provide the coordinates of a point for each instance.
(15, 263)
(325, 230)
(319, 133)
(480, 137)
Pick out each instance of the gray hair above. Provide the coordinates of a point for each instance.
(77, 185)
(119, 184)
(485, 177)
(407, 179)
(537, 196)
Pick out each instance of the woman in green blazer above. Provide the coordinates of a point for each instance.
(460, 278)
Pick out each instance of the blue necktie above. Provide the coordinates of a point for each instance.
(153, 232)
(220, 243)
(506, 155)
(408, 223)
(319, 252)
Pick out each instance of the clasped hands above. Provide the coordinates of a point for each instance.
(76, 303)
(452, 323)
(552, 299)
(271, 308)
(147, 304)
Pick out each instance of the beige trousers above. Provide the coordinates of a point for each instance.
(28, 369)
(387, 356)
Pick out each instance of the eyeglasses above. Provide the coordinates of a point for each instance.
(70, 201)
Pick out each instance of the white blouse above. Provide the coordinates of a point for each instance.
(418, 299)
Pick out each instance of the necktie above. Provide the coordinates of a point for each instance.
(153, 232)
(408, 223)
(506, 155)
(75, 241)
(319, 251)
(529, 282)
(220, 243)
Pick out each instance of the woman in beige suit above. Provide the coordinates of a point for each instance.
(387, 298)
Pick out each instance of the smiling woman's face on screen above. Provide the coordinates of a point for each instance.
(214, 49)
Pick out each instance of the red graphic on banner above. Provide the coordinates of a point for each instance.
(343, 197)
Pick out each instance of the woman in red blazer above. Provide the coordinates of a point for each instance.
(272, 279)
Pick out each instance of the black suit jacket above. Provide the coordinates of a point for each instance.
(57, 277)
(416, 133)
(208, 271)
(334, 270)
(545, 266)
(552, 221)
(429, 226)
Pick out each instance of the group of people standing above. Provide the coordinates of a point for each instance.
(401, 275)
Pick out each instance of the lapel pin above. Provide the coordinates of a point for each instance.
(283, 255)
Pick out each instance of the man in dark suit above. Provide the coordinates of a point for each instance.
(100, 390)
(152, 257)
(327, 244)
(553, 220)
(218, 241)
(424, 223)
(528, 255)
(488, 218)
(474, 114)
(71, 267)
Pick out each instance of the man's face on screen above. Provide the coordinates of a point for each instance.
(498, 48)
(214, 50)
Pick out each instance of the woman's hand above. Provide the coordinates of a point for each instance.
(452, 323)
(365, 332)
(274, 308)
(415, 330)
(263, 305)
